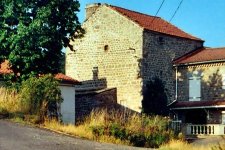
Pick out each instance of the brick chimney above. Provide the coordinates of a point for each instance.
(91, 8)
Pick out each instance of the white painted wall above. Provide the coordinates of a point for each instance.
(67, 107)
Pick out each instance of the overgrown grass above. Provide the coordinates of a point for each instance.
(9, 101)
(112, 126)
(82, 131)
(120, 127)
(182, 145)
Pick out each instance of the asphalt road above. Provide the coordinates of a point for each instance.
(15, 136)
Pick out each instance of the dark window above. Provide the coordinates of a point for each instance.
(106, 48)
(161, 40)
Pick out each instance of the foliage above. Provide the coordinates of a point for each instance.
(136, 129)
(9, 101)
(33, 34)
(183, 145)
(40, 96)
(154, 98)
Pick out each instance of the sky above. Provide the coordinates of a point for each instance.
(204, 19)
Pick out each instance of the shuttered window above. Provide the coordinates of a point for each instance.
(194, 88)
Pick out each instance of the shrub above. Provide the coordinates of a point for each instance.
(117, 131)
(139, 130)
(97, 130)
(40, 97)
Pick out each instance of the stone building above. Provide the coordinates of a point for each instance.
(200, 82)
(124, 49)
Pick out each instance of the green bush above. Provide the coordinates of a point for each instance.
(137, 139)
(117, 131)
(40, 97)
(98, 130)
(139, 130)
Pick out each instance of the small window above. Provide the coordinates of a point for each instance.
(223, 81)
(106, 48)
(161, 40)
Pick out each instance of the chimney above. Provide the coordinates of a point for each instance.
(91, 8)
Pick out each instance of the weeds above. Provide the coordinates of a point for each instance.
(9, 102)
(112, 126)
(182, 145)
(133, 128)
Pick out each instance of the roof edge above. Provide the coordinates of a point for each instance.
(195, 51)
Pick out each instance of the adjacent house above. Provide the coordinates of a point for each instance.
(67, 87)
(200, 91)
(124, 49)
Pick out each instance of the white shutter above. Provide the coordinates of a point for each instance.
(194, 89)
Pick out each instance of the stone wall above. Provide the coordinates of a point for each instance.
(159, 50)
(86, 101)
(211, 81)
(109, 50)
(118, 50)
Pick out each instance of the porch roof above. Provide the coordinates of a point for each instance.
(198, 104)
(202, 55)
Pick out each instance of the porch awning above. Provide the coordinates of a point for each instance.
(198, 104)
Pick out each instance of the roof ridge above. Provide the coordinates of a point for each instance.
(160, 25)
(215, 48)
(133, 11)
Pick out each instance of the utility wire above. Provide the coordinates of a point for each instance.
(158, 11)
(176, 11)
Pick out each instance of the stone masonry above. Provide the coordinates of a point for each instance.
(211, 81)
(158, 56)
(124, 55)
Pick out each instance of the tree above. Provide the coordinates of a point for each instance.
(33, 33)
(154, 98)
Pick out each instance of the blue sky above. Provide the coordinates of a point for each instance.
(202, 18)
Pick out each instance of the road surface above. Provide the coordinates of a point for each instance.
(15, 136)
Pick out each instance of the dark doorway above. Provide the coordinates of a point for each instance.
(196, 117)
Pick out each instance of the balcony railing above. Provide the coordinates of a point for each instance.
(207, 129)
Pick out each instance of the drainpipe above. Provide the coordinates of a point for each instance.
(176, 85)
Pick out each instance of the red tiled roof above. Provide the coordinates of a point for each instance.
(158, 25)
(4, 69)
(202, 55)
(197, 104)
(65, 78)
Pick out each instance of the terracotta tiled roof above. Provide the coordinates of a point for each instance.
(198, 104)
(202, 55)
(158, 25)
(4, 67)
(64, 78)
